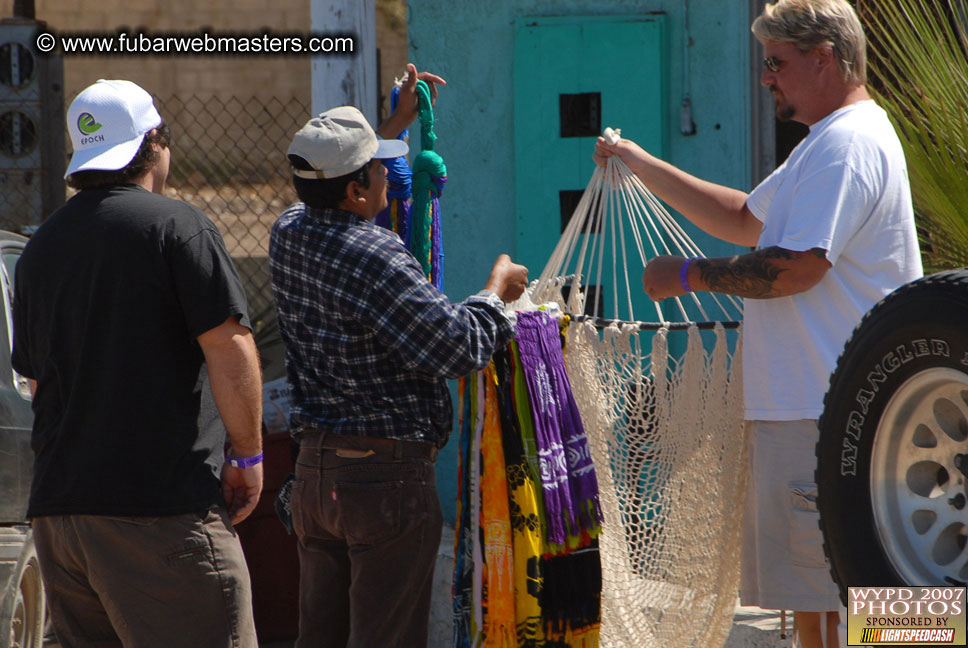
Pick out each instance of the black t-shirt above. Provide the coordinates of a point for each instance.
(111, 292)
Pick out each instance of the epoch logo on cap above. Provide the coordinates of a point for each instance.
(87, 124)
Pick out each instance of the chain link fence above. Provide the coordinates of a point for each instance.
(229, 160)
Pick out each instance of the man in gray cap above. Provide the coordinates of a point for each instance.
(130, 322)
(369, 342)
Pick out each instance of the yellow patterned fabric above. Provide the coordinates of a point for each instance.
(496, 523)
(527, 522)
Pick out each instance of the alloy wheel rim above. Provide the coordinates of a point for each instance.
(918, 490)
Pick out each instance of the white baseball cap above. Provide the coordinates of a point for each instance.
(340, 141)
(107, 122)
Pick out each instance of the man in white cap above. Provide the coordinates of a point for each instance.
(369, 342)
(131, 323)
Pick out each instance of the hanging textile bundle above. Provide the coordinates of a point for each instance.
(518, 421)
(413, 206)
(396, 216)
(429, 177)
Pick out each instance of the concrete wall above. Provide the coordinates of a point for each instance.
(470, 43)
(252, 75)
(260, 76)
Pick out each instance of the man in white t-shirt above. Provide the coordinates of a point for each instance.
(833, 230)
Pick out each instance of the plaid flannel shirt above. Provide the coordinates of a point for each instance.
(369, 341)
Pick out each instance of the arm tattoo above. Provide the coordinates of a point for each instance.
(752, 275)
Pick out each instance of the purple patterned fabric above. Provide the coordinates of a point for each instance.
(568, 477)
(582, 479)
(546, 410)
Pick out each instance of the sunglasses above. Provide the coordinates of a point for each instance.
(772, 63)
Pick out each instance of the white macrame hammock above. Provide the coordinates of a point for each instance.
(665, 433)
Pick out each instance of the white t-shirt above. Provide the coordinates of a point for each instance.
(843, 189)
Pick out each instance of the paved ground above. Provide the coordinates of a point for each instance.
(757, 628)
(752, 628)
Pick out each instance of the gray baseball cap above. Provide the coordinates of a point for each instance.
(340, 141)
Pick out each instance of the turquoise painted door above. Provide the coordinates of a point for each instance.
(573, 77)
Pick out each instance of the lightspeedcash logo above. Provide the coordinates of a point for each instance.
(905, 636)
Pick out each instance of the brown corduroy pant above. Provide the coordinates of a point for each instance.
(369, 530)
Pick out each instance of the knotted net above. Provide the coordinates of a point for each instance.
(665, 428)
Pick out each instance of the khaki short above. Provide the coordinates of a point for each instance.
(783, 565)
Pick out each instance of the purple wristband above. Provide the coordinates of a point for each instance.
(244, 462)
(684, 274)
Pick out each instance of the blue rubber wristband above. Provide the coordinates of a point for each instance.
(244, 462)
(684, 274)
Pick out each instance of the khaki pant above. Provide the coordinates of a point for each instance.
(146, 582)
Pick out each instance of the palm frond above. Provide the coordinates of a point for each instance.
(919, 75)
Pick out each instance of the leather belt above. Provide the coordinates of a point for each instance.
(397, 448)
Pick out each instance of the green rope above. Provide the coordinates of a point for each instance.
(427, 136)
(426, 166)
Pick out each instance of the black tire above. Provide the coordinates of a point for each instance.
(895, 420)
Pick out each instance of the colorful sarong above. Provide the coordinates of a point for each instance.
(568, 474)
(527, 529)
(496, 525)
(462, 586)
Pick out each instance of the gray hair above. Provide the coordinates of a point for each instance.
(811, 23)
